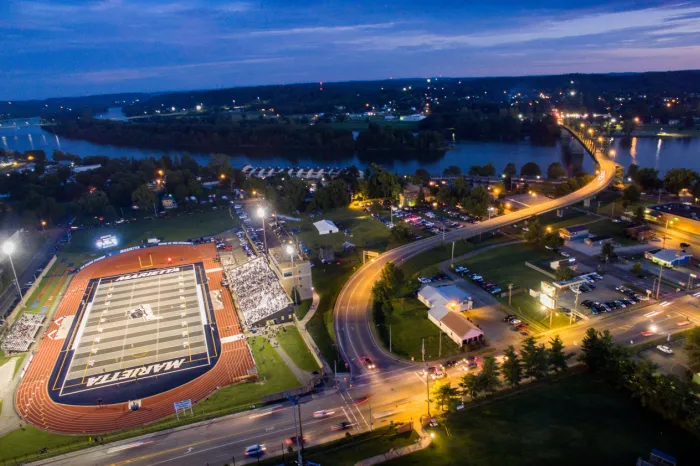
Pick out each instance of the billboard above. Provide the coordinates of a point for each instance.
(547, 301)
(548, 289)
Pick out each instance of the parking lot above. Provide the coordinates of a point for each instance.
(600, 294)
(675, 363)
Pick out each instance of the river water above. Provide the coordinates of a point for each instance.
(661, 154)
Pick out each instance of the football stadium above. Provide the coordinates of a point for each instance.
(135, 332)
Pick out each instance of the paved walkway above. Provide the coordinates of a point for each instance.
(312, 310)
(302, 376)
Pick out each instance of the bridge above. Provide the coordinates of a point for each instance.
(352, 317)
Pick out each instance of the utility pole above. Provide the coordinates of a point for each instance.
(690, 279)
(658, 287)
(422, 349)
(453, 253)
(510, 293)
(440, 346)
(295, 401)
(370, 416)
(301, 430)
(578, 292)
(427, 388)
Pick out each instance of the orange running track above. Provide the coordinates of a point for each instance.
(32, 399)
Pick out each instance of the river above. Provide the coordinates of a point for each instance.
(661, 154)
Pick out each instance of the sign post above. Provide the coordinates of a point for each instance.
(182, 407)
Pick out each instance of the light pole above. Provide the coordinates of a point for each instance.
(8, 248)
(43, 225)
(261, 214)
(387, 325)
(668, 222)
(295, 294)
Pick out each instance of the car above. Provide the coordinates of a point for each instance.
(587, 303)
(433, 422)
(647, 333)
(521, 326)
(341, 426)
(509, 317)
(361, 400)
(564, 253)
(515, 321)
(438, 375)
(429, 370)
(323, 413)
(664, 349)
(255, 450)
(449, 364)
(368, 363)
(293, 440)
(685, 245)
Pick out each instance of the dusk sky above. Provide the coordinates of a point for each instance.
(66, 48)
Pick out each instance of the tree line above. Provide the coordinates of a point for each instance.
(224, 134)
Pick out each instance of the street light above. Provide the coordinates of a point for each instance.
(160, 172)
(290, 251)
(261, 214)
(43, 225)
(8, 248)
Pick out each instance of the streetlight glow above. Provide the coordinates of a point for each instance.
(8, 247)
(261, 212)
(290, 249)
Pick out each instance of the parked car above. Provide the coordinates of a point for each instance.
(664, 349)
(341, 426)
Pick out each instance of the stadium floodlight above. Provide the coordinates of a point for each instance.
(290, 249)
(8, 247)
(261, 214)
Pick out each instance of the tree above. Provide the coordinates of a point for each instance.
(639, 215)
(563, 272)
(469, 385)
(477, 201)
(633, 171)
(553, 240)
(143, 197)
(631, 194)
(420, 197)
(490, 371)
(423, 175)
(510, 169)
(597, 349)
(558, 359)
(535, 358)
(452, 170)
(393, 277)
(487, 170)
(607, 250)
(530, 169)
(400, 234)
(638, 269)
(556, 171)
(535, 232)
(692, 346)
(443, 394)
(648, 179)
(677, 179)
(512, 367)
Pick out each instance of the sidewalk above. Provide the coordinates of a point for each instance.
(302, 376)
(421, 444)
(312, 310)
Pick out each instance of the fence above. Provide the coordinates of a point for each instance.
(541, 270)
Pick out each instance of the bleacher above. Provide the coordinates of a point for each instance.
(22, 333)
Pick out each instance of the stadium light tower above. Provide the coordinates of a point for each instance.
(8, 248)
(290, 251)
(261, 214)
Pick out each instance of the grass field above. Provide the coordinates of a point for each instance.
(82, 244)
(296, 348)
(529, 307)
(348, 451)
(573, 421)
(28, 440)
(507, 265)
(410, 327)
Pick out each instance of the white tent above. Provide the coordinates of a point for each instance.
(325, 227)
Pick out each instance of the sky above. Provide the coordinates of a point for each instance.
(81, 47)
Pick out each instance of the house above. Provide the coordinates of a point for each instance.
(597, 240)
(169, 203)
(573, 233)
(640, 232)
(409, 196)
(451, 296)
(668, 257)
(460, 329)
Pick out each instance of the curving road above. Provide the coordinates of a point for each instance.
(353, 322)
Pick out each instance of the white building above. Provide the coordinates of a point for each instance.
(416, 117)
(460, 329)
(85, 168)
(451, 296)
(325, 227)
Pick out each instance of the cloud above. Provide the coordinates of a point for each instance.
(320, 29)
(124, 74)
(659, 20)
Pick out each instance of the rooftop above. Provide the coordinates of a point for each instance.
(460, 325)
(677, 208)
(668, 255)
(438, 295)
(576, 229)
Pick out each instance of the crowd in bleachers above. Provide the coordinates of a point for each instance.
(257, 290)
(22, 334)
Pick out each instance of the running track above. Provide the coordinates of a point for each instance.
(32, 400)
